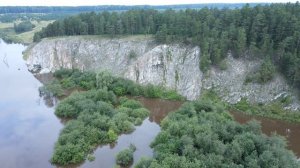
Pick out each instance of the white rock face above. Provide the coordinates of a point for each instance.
(174, 66)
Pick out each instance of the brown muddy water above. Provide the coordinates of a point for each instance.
(291, 131)
(29, 128)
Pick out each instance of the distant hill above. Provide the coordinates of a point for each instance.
(76, 9)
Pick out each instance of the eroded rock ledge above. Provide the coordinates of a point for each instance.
(140, 59)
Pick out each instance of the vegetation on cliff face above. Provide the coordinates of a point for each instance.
(270, 31)
(203, 134)
(67, 80)
(275, 109)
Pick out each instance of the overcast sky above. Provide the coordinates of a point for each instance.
(120, 2)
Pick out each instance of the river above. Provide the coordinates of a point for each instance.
(29, 128)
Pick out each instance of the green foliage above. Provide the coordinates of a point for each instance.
(264, 31)
(275, 109)
(63, 73)
(67, 83)
(112, 136)
(54, 88)
(93, 121)
(201, 135)
(144, 163)
(133, 104)
(139, 113)
(205, 63)
(266, 71)
(104, 79)
(90, 157)
(23, 27)
(132, 54)
(125, 157)
(264, 74)
(68, 79)
(152, 91)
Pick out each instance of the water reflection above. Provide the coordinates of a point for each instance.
(141, 137)
(28, 128)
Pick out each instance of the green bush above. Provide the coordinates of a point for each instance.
(68, 79)
(95, 121)
(119, 91)
(214, 139)
(112, 136)
(54, 88)
(264, 74)
(23, 27)
(65, 110)
(125, 157)
(90, 157)
(132, 54)
(63, 73)
(204, 105)
(139, 113)
(144, 163)
(67, 83)
(172, 95)
(133, 104)
(152, 91)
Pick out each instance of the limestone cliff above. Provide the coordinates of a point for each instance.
(140, 59)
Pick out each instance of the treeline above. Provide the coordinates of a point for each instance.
(12, 17)
(23, 27)
(202, 134)
(69, 9)
(270, 32)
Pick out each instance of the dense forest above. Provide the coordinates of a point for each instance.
(76, 9)
(13, 17)
(202, 134)
(270, 32)
(23, 27)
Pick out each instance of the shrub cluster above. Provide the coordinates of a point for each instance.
(96, 118)
(68, 79)
(200, 134)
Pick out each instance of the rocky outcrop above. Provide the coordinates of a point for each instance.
(174, 66)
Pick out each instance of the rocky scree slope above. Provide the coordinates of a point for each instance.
(175, 66)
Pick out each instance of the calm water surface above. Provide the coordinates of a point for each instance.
(29, 128)
(141, 137)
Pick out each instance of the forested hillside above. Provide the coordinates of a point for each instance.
(270, 32)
